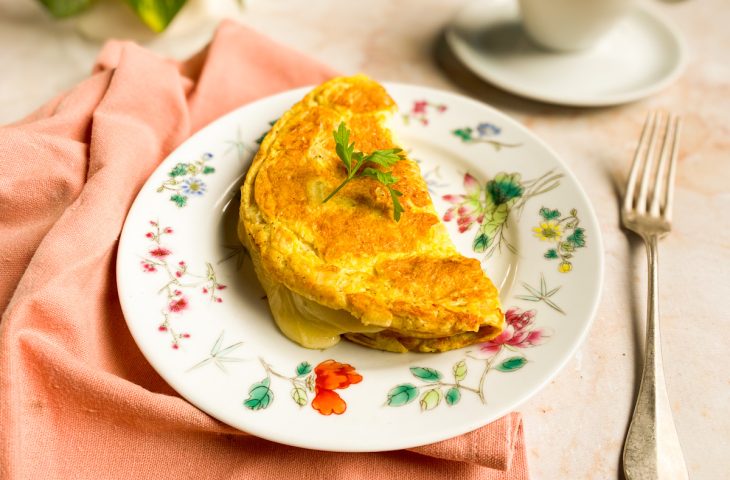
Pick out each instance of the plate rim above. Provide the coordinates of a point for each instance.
(680, 44)
(336, 445)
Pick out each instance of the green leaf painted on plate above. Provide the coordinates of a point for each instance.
(299, 395)
(493, 221)
(481, 242)
(453, 396)
(156, 14)
(179, 170)
(464, 134)
(403, 394)
(460, 370)
(578, 238)
(551, 254)
(303, 369)
(505, 188)
(426, 374)
(260, 395)
(512, 364)
(208, 170)
(567, 246)
(180, 200)
(430, 399)
(548, 214)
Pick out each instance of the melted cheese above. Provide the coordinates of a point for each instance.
(307, 322)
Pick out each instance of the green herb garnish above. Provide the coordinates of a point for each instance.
(355, 160)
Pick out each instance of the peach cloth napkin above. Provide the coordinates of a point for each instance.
(78, 400)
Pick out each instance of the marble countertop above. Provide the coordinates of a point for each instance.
(576, 425)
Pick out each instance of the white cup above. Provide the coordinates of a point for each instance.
(571, 25)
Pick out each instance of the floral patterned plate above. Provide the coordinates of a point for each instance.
(197, 312)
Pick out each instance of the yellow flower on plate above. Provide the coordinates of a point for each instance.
(565, 267)
(548, 231)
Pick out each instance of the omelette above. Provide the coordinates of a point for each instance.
(347, 267)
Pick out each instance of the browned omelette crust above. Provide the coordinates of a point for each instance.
(392, 342)
(349, 253)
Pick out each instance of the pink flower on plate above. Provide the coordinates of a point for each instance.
(177, 305)
(148, 267)
(420, 106)
(517, 332)
(160, 252)
(467, 208)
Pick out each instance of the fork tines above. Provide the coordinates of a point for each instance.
(660, 134)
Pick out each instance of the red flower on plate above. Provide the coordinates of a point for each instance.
(330, 376)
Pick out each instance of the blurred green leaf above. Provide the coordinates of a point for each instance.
(180, 200)
(548, 214)
(65, 8)
(179, 170)
(551, 254)
(156, 14)
(464, 134)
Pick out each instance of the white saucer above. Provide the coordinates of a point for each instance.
(639, 57)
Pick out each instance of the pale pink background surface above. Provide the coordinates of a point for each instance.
(574, 427)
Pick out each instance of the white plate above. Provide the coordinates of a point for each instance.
(639, 57)
(219, 348)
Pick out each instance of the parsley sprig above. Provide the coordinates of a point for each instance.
(354, 162)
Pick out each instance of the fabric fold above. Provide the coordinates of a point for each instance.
(78, 398)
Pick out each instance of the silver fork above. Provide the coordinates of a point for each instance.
(652, 450)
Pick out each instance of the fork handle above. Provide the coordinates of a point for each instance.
(652, 450)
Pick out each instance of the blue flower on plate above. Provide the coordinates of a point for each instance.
(193, 186)
(487, 129)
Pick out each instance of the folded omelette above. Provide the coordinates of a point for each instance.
(346, 267)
